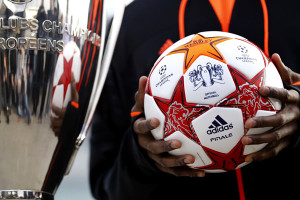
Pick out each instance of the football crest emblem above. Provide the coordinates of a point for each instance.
(206, 75)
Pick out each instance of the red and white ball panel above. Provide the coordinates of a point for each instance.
(243, 56)
(68, 63)
(190, 147)
(71, 51)
(76, 67)
(207, 81)
(166, 75)
(273, 79)
(220, 129)
(59, 69)
(58, 96)
(68, 96)
(152, 110)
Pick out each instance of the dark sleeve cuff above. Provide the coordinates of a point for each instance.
(144, 163)
(293, 87)
(296, 137)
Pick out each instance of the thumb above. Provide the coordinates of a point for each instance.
(140, 95)
(288, 76)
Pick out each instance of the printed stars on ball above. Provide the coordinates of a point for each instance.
(179, 113)
(200, 45)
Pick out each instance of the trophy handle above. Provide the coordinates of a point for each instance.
(101, 73)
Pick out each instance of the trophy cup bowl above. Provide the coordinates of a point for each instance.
(54, 58)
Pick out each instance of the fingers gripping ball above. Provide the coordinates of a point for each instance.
(203, 89)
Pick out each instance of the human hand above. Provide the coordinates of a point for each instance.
(285, 122)
(158, 150)
(288, 76)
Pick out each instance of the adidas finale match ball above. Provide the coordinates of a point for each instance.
(68, 62)
(202, 89)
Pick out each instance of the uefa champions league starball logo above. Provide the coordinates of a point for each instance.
(242, 49)
(162, 70)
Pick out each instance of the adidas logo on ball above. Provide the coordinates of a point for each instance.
(219, 125)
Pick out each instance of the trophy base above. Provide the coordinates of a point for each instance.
(25, 194)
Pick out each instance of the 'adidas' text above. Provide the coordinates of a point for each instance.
(219, 129)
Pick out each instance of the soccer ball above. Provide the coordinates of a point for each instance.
(202, 89)
(68, 62)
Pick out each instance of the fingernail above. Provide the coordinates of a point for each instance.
(153, 123)
(187, 161)
(201, 174)
(247, 140)
(248, 159)
(175, 145)
(250, 123)
(264, 90)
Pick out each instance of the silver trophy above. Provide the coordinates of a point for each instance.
(54, 57)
